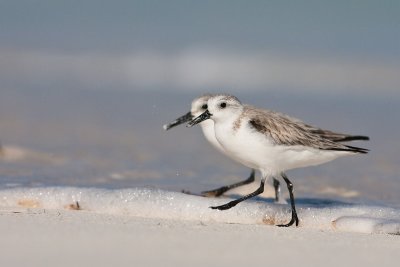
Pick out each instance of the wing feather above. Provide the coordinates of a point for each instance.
(284, 130)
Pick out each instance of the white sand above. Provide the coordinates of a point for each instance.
(144, 227)
(37, 237)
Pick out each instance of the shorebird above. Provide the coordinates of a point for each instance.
(271, 142)
(198, 106)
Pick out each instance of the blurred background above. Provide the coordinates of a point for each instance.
(85, 87)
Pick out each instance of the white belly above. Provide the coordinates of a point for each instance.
(257, 151)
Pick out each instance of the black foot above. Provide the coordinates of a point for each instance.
(215, 193)
(226, 206)
(235, 202)
(294, 219)
(220, 191)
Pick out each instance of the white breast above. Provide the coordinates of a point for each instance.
(244, 145)
(207, 127)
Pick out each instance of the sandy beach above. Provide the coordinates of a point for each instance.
(40, 237)
(148, 227)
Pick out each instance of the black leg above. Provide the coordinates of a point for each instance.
(235, 202)
(294, 213)
(277, 190)
(219, 191)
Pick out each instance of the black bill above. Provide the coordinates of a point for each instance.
(204, 116)
(187, 117)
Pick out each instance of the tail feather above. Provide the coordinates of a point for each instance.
(352, 138)
(351, 149)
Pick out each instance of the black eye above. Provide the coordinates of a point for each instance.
(204, 106)
(223, 105)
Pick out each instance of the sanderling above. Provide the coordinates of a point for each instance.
(271, 142)
(199, 105)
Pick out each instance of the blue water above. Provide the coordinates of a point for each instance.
(114, 139)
